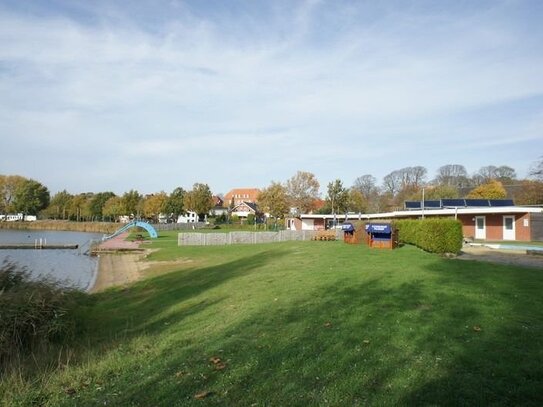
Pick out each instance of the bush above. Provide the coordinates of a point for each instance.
(436, 235)
(32, 312)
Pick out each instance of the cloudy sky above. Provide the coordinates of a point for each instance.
(150, 95)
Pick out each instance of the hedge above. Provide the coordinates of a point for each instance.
(435, 235)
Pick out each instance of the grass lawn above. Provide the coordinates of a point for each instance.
(298, 324)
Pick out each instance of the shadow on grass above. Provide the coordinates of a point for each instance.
(435, 340)
(151, 305)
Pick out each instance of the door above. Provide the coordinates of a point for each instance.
(509, 228)
(480, 227)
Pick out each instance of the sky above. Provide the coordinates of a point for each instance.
(112, 95)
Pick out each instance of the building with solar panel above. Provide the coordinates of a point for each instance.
(482, 219)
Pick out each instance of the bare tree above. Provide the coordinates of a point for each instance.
(536, 171)
(303, 190)
(452, 175)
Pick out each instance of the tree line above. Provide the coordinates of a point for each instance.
(299, 194)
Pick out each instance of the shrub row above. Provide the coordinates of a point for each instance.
(435, 235)
(32, 312)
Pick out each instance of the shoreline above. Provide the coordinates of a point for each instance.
(115, 270)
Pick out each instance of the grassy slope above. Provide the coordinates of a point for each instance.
(307, 323)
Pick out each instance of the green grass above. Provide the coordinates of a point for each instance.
(298, 324)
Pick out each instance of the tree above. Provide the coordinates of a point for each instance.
(174, 204)
(536, 170)
(8, 186)
(491, 190)
(452, 175)
(274, 200)
(303, 191)
(97, 202)
(30, 197)
(366, 185)
(439, 192)
(338, 197)
(199, 199)
(79, 207)
(357, 201)
(153, 205)
(132, 203)
(505, 174)
(59, 206)
(530, 193)
(113, 208)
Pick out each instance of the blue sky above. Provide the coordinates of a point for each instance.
(151, 95)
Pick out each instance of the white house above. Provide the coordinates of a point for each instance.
(189, 217)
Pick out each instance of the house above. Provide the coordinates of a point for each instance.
(239, 195)
(188, 217)
(484, 220)
(243, 209)
(218, 208)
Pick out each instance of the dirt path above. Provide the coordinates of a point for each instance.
(509, 257)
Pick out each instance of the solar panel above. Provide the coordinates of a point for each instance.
(477, 202)
(501, 202)
(432, 204)
(453, 202)
(412, 205)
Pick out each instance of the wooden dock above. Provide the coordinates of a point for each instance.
(17, 246)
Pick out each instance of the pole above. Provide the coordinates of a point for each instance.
(422, 203)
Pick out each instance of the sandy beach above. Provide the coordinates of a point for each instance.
(115, 269)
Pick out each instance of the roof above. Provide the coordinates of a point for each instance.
(251, 205)
(427, 212)
(243, 193)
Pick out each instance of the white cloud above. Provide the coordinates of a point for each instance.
(339, 82)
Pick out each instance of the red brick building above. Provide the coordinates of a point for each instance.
(488, 223)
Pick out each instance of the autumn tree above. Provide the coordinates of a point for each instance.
(440, 192)
(274, 200)
(303, 191)
(113, 208)
(154, 204)
(530, 193)
(491, 190)
(79, 207)
(132, 203)
(357, 201)
(30, 197)
(97, 203)
(199, 199)
(8, 186)
(59, 206)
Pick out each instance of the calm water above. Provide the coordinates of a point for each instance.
(69, 266)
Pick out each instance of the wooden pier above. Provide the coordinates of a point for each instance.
(17, 246)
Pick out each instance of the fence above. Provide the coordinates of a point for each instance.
(179, 226)
(218, 239)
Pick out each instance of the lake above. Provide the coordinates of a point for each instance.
(71, 267)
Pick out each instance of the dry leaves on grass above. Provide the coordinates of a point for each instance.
(327, 324)
(217, 363)
(203, 394)
(477, 328)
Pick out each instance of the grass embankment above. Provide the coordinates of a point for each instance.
(91, 227)
(301, 323)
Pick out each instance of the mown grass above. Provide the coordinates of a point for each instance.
(301, 323)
